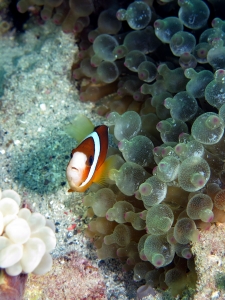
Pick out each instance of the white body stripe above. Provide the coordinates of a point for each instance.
(96, 140)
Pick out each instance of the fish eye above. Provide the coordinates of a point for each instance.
(71, 154)
(90, 161)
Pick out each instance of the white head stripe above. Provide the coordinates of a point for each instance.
(96, 140)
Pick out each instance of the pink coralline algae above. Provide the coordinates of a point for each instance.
(72, 278)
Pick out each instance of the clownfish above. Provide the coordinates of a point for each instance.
(87, 160)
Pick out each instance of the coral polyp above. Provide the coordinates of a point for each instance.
(25, 238)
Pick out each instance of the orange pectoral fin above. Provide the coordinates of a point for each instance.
(101, 176)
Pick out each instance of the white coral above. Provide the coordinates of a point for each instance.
(25, 238)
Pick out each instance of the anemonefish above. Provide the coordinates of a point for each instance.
(87, 160)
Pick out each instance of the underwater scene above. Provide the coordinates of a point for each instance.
(112, 149)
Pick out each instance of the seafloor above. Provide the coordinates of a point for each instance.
(37, 99)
